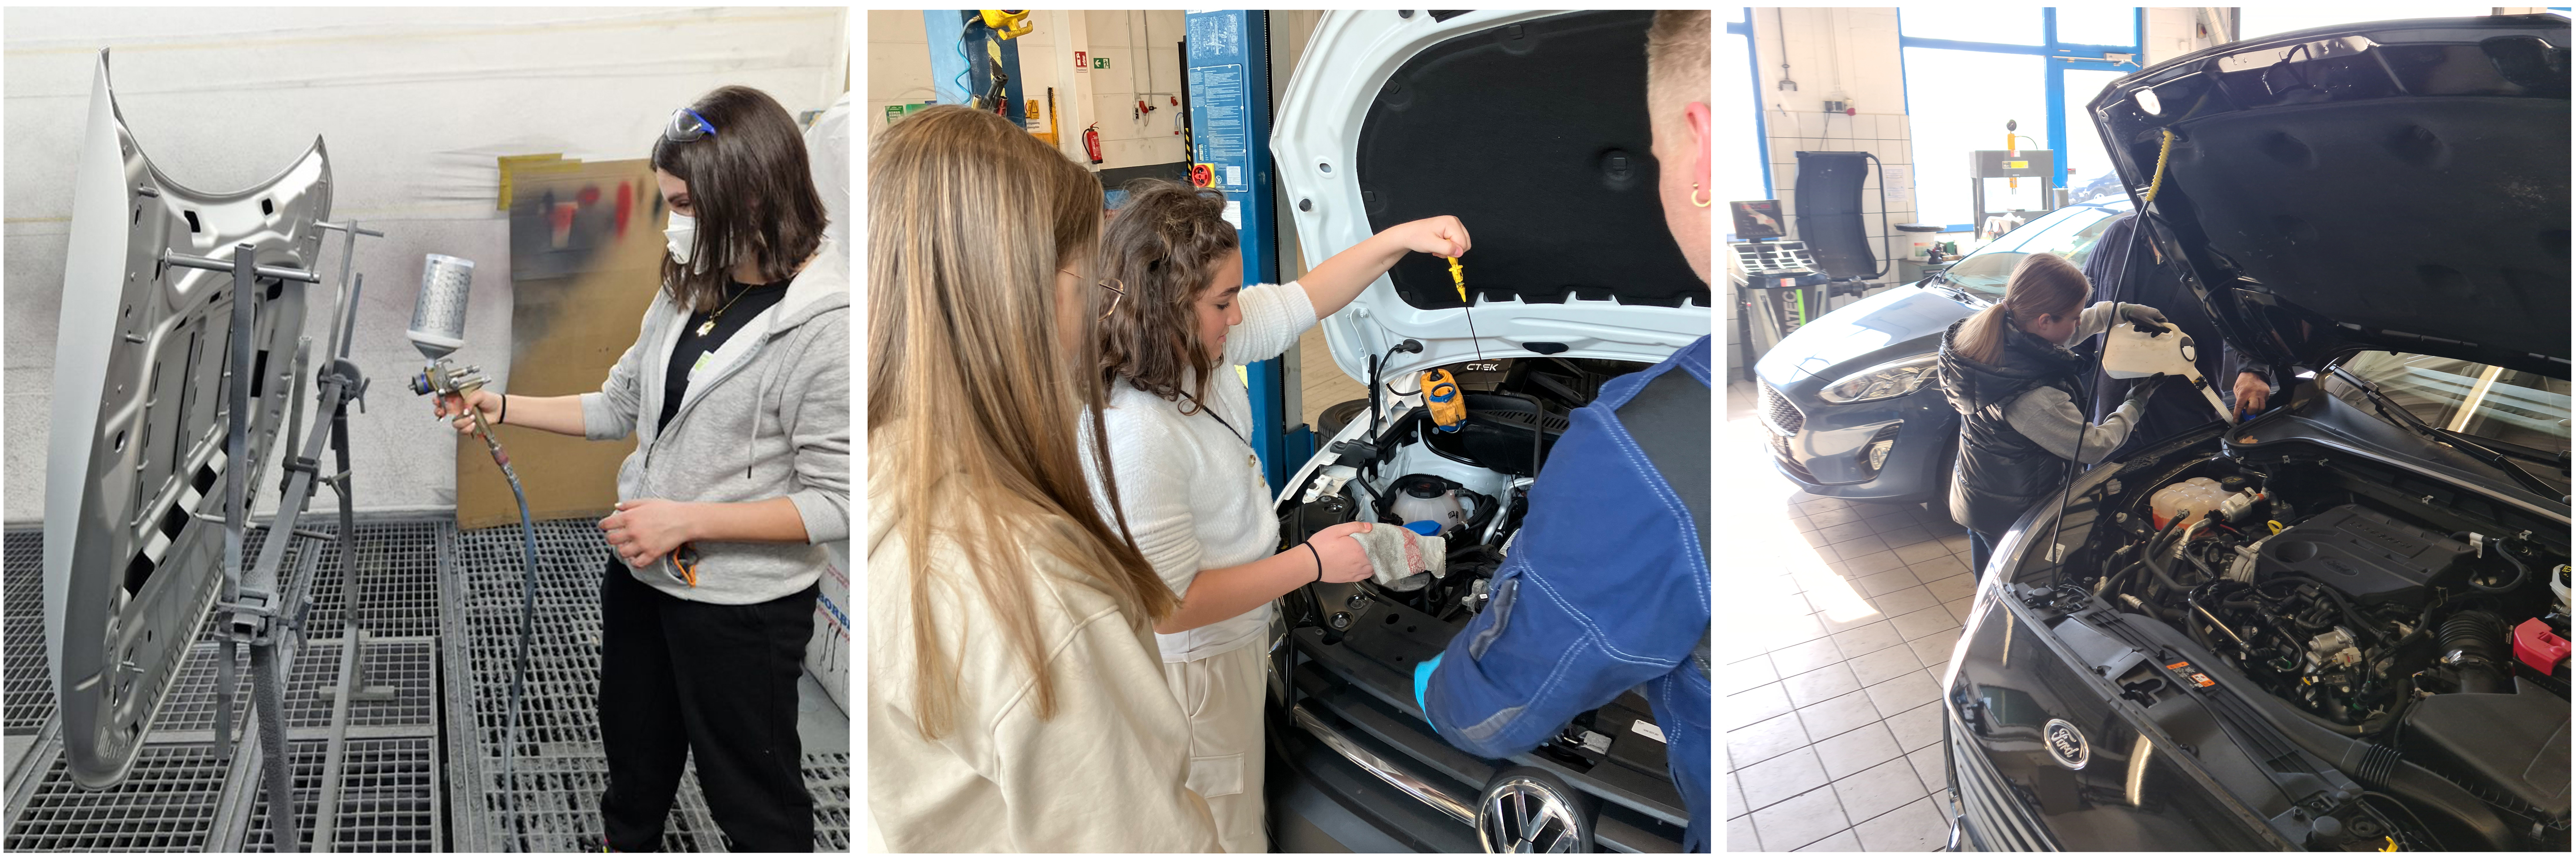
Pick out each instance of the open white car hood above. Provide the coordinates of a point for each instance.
(1528, 197)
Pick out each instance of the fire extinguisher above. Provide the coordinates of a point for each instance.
(1091, 142)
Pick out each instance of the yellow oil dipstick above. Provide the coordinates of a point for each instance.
(1458, 278)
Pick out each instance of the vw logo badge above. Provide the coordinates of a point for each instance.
(2066, 744)
(1523, 815)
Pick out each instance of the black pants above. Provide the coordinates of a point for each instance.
(1979, 550)
(677, 677)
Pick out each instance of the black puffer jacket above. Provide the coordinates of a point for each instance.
(2001, 472)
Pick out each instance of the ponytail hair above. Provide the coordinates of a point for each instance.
(2043, 284)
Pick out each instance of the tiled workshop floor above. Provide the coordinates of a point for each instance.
(1842, 616)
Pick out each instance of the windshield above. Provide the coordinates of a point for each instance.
(2514, 407)
(2068, 232)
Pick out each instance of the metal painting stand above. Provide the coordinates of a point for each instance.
(251, 606)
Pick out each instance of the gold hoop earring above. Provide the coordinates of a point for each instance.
(1695, 197)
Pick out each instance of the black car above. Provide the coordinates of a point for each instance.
(1576, 281)
(2363, 645)
(1848, 398)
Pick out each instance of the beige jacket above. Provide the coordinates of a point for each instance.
(1107, 773)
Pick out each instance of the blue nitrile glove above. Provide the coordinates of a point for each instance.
(1422, 681)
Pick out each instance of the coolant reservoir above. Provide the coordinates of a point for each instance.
(1424, 498)
(2199, 495)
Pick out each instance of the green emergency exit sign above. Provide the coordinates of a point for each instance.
(1099, 62)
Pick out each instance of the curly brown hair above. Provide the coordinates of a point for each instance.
(1165, 245)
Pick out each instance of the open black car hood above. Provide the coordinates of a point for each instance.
(2399, 185)
(1531, 127)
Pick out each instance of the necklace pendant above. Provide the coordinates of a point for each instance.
(706, 328)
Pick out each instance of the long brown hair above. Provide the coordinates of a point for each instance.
(752, 192)
(2042, 284)
(1164, 244)
(972, 410)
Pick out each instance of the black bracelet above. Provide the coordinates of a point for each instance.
(1319, 560)
(505, 410)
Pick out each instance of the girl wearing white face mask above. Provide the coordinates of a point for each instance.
(737, 390)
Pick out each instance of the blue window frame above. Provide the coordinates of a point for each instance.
(1743, 27)
(2059, 58)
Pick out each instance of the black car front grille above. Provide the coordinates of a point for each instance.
(1780, 451)
(1784, 418)
(1997, 817)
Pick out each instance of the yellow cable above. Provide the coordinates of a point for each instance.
(2161, 154)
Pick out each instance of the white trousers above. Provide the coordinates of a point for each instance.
(1223, 696)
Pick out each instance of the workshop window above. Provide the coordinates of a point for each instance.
(1966, 75)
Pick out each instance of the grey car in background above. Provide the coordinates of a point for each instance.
(1848, 399)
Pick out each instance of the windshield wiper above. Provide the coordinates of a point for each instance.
(2397, 414)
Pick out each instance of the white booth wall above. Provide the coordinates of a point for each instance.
(414, 105)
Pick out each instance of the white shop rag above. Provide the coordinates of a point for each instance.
(1404, 560)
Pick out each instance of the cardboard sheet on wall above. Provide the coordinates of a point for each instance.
(585, 257)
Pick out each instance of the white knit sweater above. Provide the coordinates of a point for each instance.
(1190, 485)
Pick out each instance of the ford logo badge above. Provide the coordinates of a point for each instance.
(2066, 744)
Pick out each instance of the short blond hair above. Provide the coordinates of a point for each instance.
(1677, 58)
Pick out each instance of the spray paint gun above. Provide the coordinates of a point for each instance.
(438, 330)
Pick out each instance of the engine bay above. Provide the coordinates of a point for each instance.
(1473, 482)
(1471, 479)
(2396, 612)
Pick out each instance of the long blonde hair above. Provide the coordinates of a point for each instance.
(969, 397)
(2042, 284)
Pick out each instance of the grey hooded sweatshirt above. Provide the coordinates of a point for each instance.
(768, 417)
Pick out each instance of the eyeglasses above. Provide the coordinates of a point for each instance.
(686, 125)
(1117, 290)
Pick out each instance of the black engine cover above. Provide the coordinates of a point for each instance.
(2361, 552)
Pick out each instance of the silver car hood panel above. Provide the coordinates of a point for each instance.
(135, 471)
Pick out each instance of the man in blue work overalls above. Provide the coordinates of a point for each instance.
(1606, 587)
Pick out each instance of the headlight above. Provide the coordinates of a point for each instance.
(1892, 379)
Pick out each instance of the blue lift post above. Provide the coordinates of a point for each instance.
(1229, 87)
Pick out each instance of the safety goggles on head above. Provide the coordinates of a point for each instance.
(686, 125)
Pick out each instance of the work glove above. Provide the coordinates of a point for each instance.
(2141, 390)
(1404, 560)
(2144, 317)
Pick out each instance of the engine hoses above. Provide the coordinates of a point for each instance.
(2475, 637)
(2521, 571)
(2155, 559)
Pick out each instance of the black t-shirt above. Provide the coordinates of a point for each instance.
(742, 301)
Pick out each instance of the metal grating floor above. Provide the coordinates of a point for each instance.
(167, 804)
(388, 798)
(561, 770)
(26, 689)
(422, 771)
(398, 576)
(407, 665)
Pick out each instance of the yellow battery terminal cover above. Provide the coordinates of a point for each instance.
(1440, 395)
